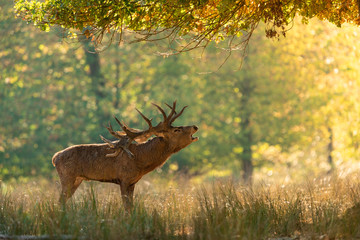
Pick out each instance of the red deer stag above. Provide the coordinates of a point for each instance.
(99, 162)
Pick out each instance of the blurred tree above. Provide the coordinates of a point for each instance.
(42, 97)
(283, 96)
(276, 111)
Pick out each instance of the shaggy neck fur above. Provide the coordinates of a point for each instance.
(152, 154)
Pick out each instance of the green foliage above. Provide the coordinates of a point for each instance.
(200, 21)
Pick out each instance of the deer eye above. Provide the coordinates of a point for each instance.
(176, 130)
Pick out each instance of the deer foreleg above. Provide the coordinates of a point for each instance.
(127, 193)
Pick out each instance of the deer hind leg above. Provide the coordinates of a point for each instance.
(127, 193)
(68, 188)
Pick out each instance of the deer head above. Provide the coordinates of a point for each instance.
(177, 137)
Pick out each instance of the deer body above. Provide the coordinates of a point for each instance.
(97, 162)
(89, 161)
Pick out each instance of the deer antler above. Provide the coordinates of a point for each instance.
(130, 134)
(168, 120)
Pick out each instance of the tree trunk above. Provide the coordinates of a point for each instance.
(97, 79)
(92, 59)
(247, 165)
(330, 150)
(246, 139)
(118, 87)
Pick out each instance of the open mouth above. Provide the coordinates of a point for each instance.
(194, 139)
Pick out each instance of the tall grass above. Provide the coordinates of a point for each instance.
(327, 208)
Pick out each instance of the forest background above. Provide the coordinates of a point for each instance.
(289, 109)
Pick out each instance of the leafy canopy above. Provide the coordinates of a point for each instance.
(195, 22)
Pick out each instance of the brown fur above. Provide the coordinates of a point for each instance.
(89, 162)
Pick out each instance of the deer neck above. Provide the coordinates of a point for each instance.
(152, 154)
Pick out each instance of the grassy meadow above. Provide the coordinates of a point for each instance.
(327, 208)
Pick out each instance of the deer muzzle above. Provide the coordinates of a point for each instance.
(194, 130)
